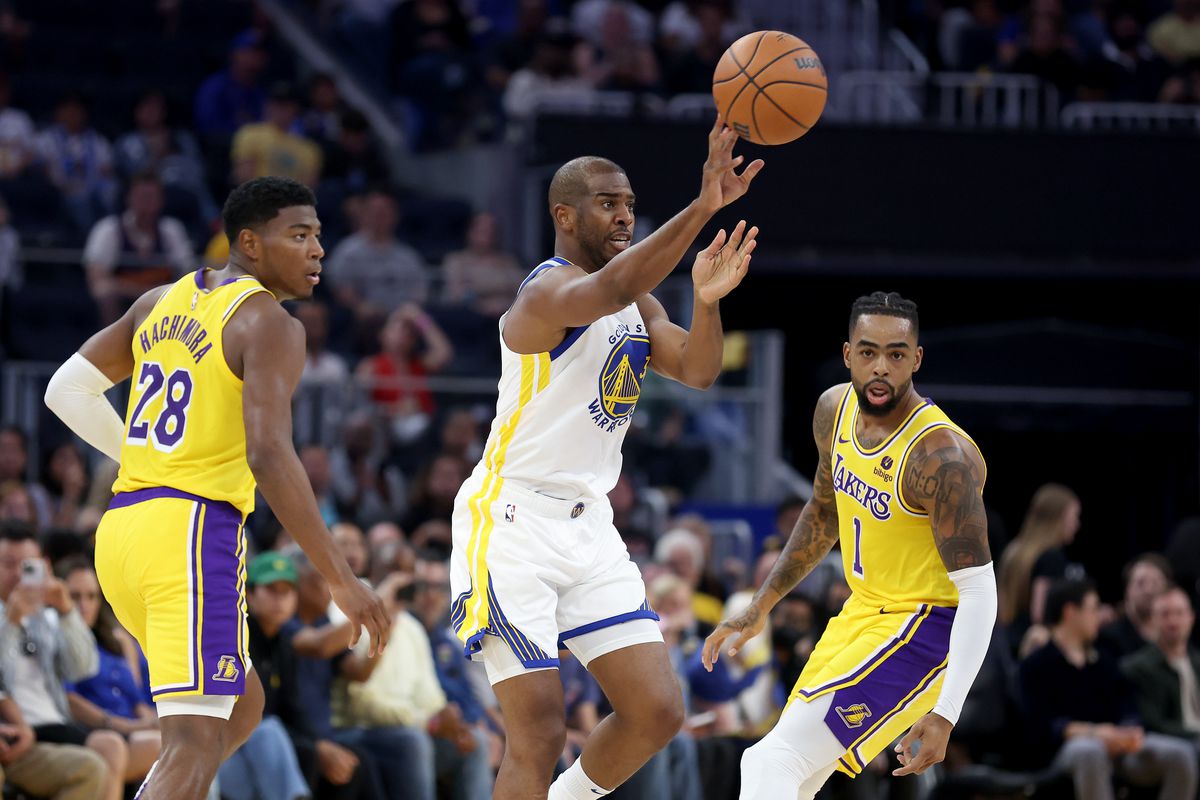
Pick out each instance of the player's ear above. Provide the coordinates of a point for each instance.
(846, 354)
(920, 357)
(564, 216)
(247, 242)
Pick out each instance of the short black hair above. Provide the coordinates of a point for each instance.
(1063, 593)
(259, 200)
(12, 530)
(888, 304)
(570, 183)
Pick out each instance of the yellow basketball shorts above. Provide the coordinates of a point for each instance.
(173, 567)
(884, 668)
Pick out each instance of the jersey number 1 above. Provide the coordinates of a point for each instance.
(167, 431)
(858, 567)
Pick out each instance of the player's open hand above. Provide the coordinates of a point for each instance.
(721, 184)
(363, 607)
(720, 267)
(924, 745)
(745, 625)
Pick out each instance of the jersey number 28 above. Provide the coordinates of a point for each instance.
(166, 432)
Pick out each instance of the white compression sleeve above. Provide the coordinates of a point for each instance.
(76, 395)
(970, 635)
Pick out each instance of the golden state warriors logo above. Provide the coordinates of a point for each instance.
(621, 378)
(227, 670)
(854, 715)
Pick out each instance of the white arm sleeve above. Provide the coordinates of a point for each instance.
(970, 635)
(76, 395)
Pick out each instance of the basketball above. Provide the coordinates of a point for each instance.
(770, 87)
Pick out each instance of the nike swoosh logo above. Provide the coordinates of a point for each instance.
(597, 791)
(843, 441)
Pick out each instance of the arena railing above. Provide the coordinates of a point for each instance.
(1132, 117)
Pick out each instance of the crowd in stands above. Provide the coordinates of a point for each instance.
(1145, 51)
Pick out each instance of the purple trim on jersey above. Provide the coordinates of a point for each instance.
(200, 279)
(126, 499)
(921, 614)
(202, 287)
(221, 603)
(569, 340)
(906, 671)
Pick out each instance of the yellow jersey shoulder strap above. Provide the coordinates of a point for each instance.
(930, 419)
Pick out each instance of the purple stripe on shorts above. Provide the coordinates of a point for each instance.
(222, 668)
(881, 653)
(125, 499)
(856, 708)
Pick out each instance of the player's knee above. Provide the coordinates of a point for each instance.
(770, 755)
(661, 715)
(539, 744)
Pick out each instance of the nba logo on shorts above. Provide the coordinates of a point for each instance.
(510, 513)
(854, 715)
(226, 670)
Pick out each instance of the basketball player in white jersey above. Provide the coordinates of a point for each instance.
(537, 564)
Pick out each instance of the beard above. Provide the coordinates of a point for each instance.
(875, 410)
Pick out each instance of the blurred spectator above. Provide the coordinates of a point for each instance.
(1083, 714)
(78, 161)
(17, 140)
(353, 546)
(1176, 35)
(171, 153)
(621, 60)
(551, 70)
(399, 707)
(65, 476)
(460, 435)
(115, 698)
(1164, 672)
(589, 18)
(16, 504)
(434, 534)
(695, 37)
(128, 254)
(1046, 56)
(395, 377)
(482, 276)
(363, 480)
(1183, 554)
(61, 772)
(632, 519)
(1035, 557)
(515, 49)
(967, 36)
(12, 272)
(681, 552)
(581, 700)
(433, 67)
(272, 147)
(1183, 88)
(1137, 72)
(796, 623)
(233, 97)
(668, 461)
(14, 465)
(434, 489)
(321, 121)
(321, 367)
(299, 764)
(1146, 577)
(45, 643)
(353, 160)
(315, 459)
(371, 270)
(393, 562)
(383, 533)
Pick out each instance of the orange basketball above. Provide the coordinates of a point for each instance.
(770, 87)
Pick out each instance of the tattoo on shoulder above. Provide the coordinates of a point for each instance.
(946, 479)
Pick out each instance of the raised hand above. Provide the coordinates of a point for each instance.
(720, 267)
(747, 625)
(721, 185)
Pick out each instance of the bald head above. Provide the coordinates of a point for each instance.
(570, 184)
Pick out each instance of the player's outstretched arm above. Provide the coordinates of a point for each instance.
(944, 475)
(811, 540)
(76, 390)
(693, 357)
(562, 299)
(269, 344)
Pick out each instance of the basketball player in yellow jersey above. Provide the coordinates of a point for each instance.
(900, 485)
(214, 359)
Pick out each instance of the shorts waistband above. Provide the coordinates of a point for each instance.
(544, 505)
(126, 499)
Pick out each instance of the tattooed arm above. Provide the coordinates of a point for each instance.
(944, 476)
(815, 533)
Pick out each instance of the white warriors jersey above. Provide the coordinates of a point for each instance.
(561, 415)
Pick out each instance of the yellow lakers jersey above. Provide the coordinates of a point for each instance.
(184, 427)
(888, 551)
